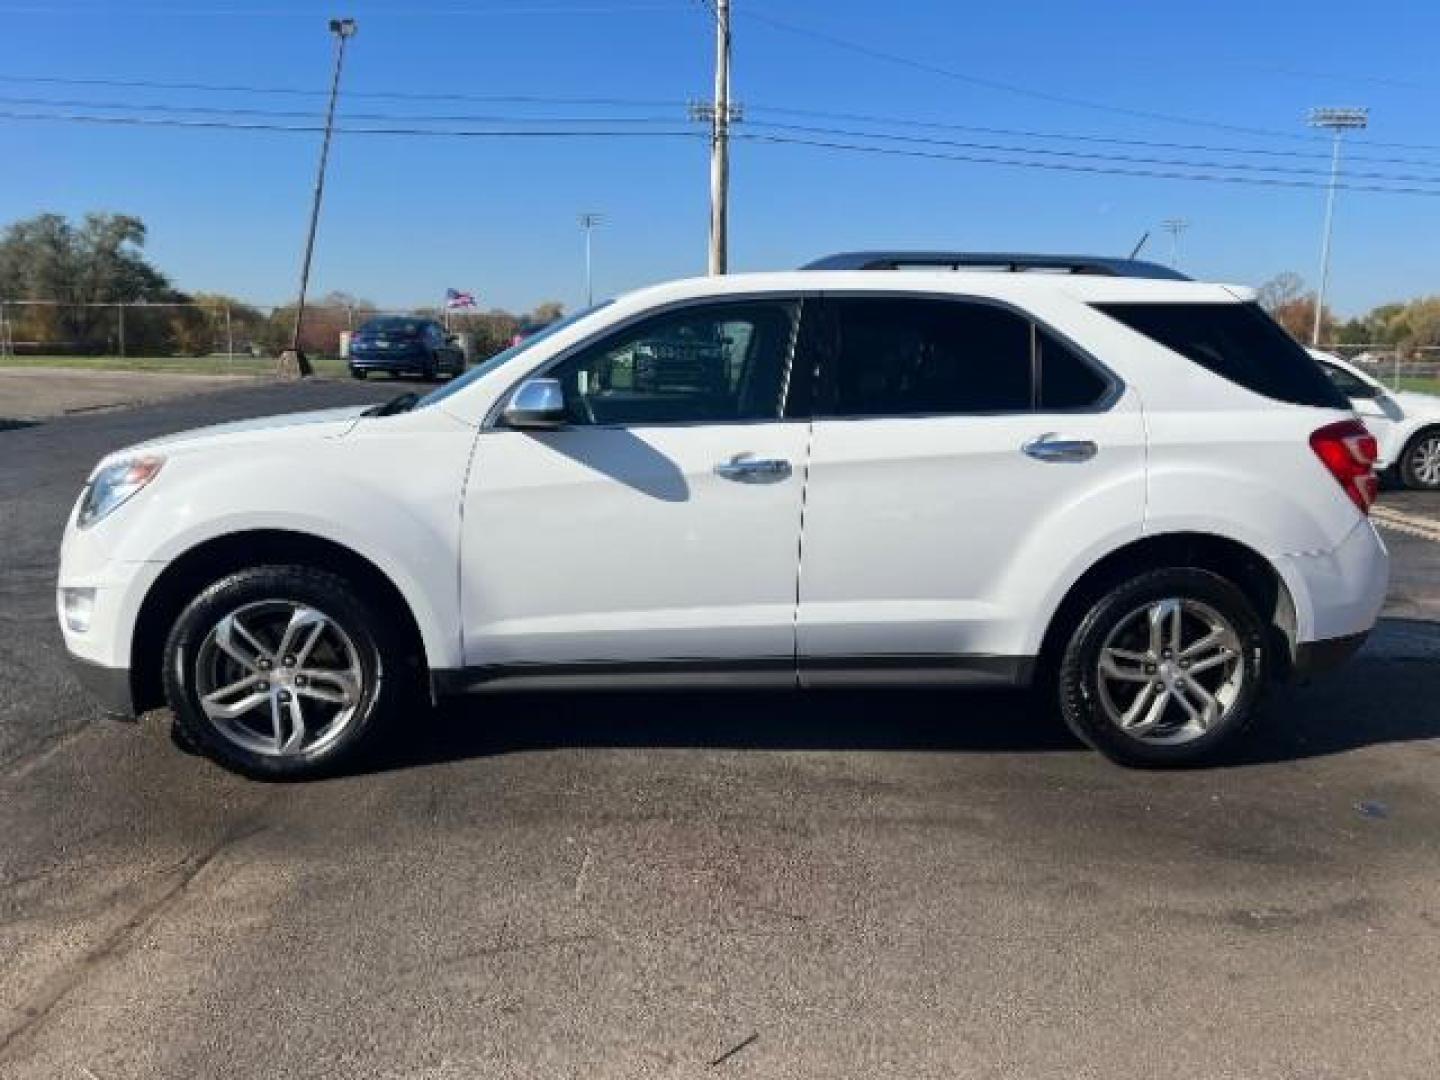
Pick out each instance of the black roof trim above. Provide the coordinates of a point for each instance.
(1103, 265)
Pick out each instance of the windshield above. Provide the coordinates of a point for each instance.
(501, 358)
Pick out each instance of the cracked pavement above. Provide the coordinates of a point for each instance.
(906, 884)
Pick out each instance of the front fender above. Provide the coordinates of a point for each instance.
(405, 521)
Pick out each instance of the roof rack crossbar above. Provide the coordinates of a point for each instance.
(1012, 262)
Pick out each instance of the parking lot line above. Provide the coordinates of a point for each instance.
(1424, 528)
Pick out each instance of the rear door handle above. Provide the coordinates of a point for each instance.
(744, 469)
(1049, 447)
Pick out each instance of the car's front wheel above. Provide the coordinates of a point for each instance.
(280, 672)
(358, 373)
(1420, 464)
(1163, 669)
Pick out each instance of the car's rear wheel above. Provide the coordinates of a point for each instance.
(358, 373)
(1163, 669)
(1420, 463)
(281, 672)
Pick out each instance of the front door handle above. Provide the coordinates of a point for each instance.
(744, 469)
(1050, 448)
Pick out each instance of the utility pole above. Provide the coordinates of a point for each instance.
(294, 361)
(588, 221)
(1337, 122)
(1175, 226)
(720, 145)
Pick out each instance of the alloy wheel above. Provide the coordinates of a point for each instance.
(1425, 461)
(279, 678)
(1170, 671)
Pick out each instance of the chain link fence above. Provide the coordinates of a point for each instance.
(1398, 368)
(222, 333)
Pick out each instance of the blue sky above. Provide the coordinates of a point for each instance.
(405, 217)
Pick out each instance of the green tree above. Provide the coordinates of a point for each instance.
(99, 261)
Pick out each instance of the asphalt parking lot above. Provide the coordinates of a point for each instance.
(902, 884)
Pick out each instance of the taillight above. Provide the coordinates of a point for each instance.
(1350, 453)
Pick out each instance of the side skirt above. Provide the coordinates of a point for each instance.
(778, 673)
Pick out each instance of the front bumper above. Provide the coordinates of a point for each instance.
(110, 687)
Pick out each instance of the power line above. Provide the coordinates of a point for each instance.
(857, 117)
(388, 95)
(1129, 159)
(301, 114)
(1031, 133)
(232, 125)
(827, 144)
(1009, 88)
(1103, 170)
(1122, 166)
(627, 102)
(264, 115)
(1045, 95)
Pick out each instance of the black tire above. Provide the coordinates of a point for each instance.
(1087, 707)
(358, 373)
(1420, 445)
(376, 654)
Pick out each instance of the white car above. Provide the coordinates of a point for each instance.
(1133, 492)
(1405, 424)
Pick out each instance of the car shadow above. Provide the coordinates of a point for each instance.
(10, 424)
(620, 456)
(1390, 693)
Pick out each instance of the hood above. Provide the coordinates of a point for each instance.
(318, 423)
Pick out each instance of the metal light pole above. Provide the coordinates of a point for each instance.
(344, 30)
(1175, 227)
(588, 221)
(1337, 122)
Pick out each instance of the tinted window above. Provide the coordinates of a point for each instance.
(1239, 342)
(713, 363)
(1348, 384)
(898, 357)
(1067, 380)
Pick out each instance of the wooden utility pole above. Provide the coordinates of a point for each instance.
(720, 144)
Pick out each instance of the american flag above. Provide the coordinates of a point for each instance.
(454, 298)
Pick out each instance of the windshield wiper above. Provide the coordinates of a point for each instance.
(398, 404)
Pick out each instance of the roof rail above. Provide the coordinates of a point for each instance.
(1104, 265)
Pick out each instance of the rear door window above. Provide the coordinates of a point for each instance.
(1238, 342)
(914, 357)
(1067, 380)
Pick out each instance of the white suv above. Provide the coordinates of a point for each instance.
(1406, 425)
(1133, 492)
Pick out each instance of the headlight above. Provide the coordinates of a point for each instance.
(113, 484)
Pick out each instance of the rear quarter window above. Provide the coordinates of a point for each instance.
(1238, 342)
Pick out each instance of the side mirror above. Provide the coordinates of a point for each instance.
(537, 405)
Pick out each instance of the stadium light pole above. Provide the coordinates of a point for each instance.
(1337, 122)
(588, 222)
(343, 30)
(1175, 227)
